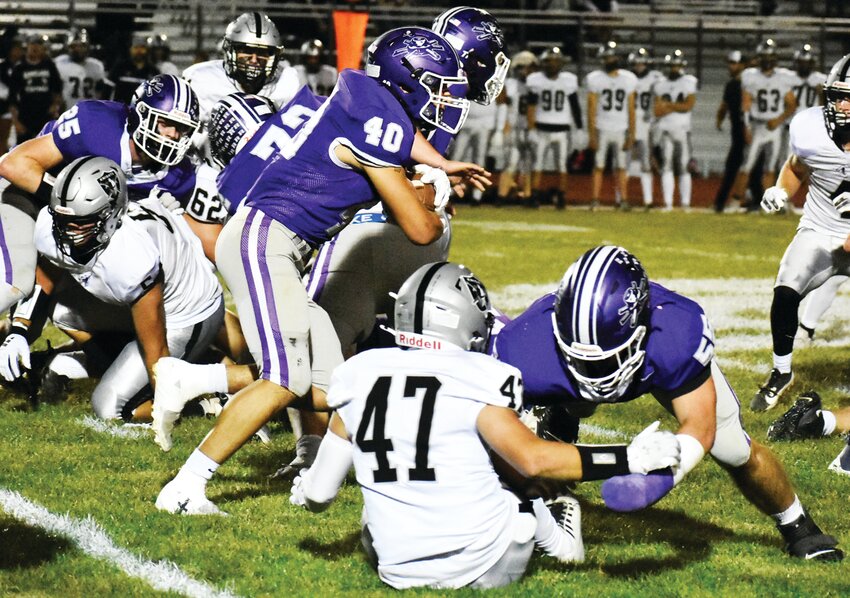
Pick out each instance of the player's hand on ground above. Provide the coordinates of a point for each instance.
(774, 199)
(653, 449)
(14, 353)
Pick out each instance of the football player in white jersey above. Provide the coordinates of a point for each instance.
(313, 71)
(82, 76)
(519, 150)
(141, 258)
(610, 120)
(419, 423)
(553, 111)
(159, 50)
(807, 82)
(675, 96)
(820, 141)
(767, 102)
(253, 63)
(640, 63)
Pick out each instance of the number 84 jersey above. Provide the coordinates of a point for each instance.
(422, 467)
(830, 173)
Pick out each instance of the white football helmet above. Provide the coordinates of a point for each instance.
(252, 33)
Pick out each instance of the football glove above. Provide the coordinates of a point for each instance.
(168, 201)
(14, 353)
(442, 185)
(774, 199)
(651, 450)
(803, 420)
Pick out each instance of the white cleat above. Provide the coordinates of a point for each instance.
(567, 513)
(841, 464)
(170, 397)
(181, 500)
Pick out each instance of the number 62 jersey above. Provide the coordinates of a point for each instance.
(830, 172)
(423, 469)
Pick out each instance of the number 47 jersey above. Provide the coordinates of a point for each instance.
(435, 506)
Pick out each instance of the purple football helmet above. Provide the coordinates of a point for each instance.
(600, 321)
(233, 120)
(423, 72)
(160, 103)
(477, 38)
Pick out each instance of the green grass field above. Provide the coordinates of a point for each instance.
(703, 539)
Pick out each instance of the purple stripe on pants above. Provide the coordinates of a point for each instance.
(326, 253)
(249, 276)
(262, 240)
(7, 260)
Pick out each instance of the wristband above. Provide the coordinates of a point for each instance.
(45, 189)
(691, 453)
(601, 461)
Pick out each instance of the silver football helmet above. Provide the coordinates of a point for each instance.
(89, 199)
(256, 38)
(443, 303)
(836, 91)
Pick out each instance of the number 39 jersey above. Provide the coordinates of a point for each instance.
(306, 187)
(552, 97)
(149, 241)
(767, 91)
(435, 506)
(612, 103)
(830, 172)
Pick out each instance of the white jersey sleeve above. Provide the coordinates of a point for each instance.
(437, 512)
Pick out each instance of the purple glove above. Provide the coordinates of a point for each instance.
(635, 491)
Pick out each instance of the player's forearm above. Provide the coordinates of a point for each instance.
(423, 152)
(22, 170)
(791, 176)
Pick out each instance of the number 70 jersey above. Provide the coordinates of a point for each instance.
(417, 454)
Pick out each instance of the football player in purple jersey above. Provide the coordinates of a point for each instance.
(609, 335)
(356, 144)
(148, 139)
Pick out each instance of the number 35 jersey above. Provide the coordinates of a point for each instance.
(612, 102)
(150, 241)
(435, 506)
(830, 172)
(306, 187)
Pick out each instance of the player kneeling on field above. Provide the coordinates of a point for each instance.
(140, 258)
(419, 422)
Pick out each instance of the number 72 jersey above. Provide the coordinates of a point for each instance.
(423, 468)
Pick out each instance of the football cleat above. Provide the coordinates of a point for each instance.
(805, 540)
(803, 420)
(768, 395)
(841, 464)
(180, 499)
(805, 336)
(567, 513)
(306, 449)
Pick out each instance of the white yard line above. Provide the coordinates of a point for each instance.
(601, 432)
(120, 431)
(163, 576)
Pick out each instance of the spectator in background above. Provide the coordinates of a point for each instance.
(313, 70)
(13, 55)
(159, 51)
(128, 75)
(731, 106)
(35, 90)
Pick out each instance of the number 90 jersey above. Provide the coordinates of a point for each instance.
(767, 92)
(612, 103)
(435, 506)
(830, 172)
(306, 187)
(552, 97)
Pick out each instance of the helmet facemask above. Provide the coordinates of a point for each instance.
(447, 105)
(82, 238)
(159, 147)
(837, 120)
(251, 76)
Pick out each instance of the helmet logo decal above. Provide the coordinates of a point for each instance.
(419, 45)
(488, 31)
(108, 181)
(153, 86)
(633, 298)
(476, 289)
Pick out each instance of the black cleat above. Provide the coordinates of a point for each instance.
(803, 420)
(768, 395)
(805, 540)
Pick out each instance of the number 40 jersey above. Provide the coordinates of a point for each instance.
(435, 506)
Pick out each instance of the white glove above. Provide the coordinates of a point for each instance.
(163, 424)
(651, 450)
(297, 496)
(442, 185)
(774, 199)
(168, 201)
(15, 350)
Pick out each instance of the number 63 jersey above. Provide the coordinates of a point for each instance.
(149, 242)
(830, 172)
(435, 506)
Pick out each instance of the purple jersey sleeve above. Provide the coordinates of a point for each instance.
(91, 128)
(179, 180)
(441, 140)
